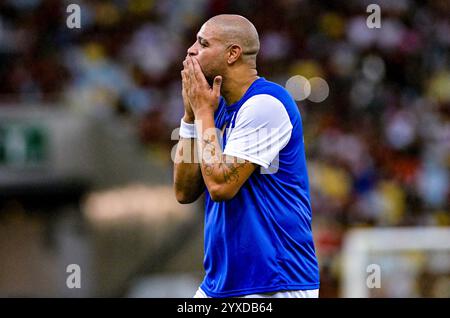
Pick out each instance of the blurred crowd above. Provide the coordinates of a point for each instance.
(377, 146)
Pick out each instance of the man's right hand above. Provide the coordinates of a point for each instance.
(188, 113)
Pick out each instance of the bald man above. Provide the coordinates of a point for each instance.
(241, 140)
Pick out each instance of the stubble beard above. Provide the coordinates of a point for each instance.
(210, 74)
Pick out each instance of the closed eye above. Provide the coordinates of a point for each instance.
(202, 42)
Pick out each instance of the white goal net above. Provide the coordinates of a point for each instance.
(396, 262)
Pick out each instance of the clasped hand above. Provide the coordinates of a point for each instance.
(197, 94)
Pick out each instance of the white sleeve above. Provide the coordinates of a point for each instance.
(262, 129)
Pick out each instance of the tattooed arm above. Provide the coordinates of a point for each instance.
(187, 177)
(223, 175)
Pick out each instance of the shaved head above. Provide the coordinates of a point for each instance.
(235, 29)
(226, 45)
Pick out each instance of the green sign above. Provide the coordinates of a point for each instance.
(23, 145)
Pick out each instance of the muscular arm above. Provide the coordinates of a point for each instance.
(187, 177)
(223, 175)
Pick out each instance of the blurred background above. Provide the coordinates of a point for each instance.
(86, 133)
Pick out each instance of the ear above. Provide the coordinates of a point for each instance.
(234, 52)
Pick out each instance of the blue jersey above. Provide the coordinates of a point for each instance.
(261, 240)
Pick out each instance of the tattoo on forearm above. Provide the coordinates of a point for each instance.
(231, 171)
(209, 145)
(209, 169)
(211, 161)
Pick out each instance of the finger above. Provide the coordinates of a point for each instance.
(183, 78)
(216, 85)
(186, 76)
(186, 80)
(190, 69)
(183, 82)
(198, 72)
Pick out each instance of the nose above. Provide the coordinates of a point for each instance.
(192, 51)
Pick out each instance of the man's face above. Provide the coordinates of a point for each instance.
(209, 50)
